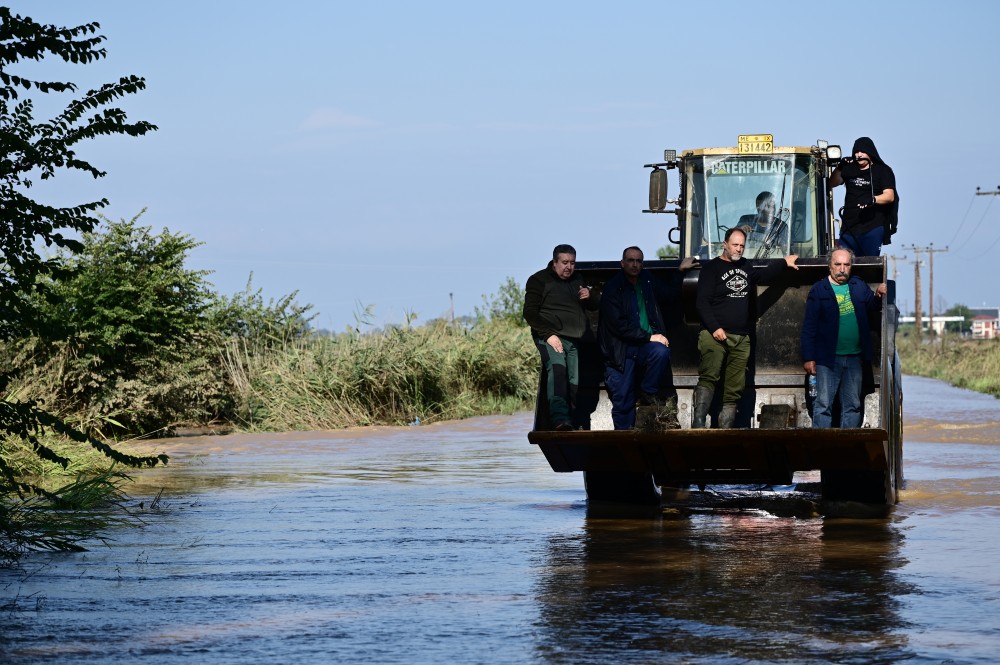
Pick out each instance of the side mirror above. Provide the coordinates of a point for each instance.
(657, 190)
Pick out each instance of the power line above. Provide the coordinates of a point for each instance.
(962, 223)
(980, 222)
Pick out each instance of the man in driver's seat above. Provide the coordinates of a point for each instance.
(764, 230)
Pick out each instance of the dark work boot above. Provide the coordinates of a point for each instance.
(727, 416)
(650, 399)
(702, 400)
(668, 414)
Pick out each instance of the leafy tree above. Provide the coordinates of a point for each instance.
(127, 330)
(668, 252)
(507, 304)
(959, 326)
(31, 150)
(263, 323)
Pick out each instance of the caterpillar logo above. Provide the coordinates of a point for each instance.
(751, 167)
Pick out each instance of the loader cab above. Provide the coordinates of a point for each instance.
(778, 196)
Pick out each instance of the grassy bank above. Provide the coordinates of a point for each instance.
(432, 372)
(972, 364)
(308, 382)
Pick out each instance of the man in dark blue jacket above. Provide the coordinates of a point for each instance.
(632, 337)
(836, 339)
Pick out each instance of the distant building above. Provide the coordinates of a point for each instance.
(939, 322)
(985, 322)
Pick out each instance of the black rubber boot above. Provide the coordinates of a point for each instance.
(702, 400)
(727, 416)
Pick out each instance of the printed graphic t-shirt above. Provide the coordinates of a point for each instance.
(848, 336)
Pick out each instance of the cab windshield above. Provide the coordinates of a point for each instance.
(771, 197)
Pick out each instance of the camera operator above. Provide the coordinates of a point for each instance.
(869, 215)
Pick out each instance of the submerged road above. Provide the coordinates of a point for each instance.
(455, 542)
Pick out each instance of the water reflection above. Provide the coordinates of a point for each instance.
(723, 588)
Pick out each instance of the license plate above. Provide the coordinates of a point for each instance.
(755, 144)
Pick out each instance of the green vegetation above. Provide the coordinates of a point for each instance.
(123, 335)
(507, 304)
(966, 363)
(668, 252)
(432, 372)
(959, 326)
(32, 515)
(134, 343)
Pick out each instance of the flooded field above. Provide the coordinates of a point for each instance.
(455, 542)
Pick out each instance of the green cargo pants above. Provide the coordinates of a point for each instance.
(563, 370)
(730, 356)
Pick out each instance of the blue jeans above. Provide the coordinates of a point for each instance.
(843, 380)
(866, 244)
(653, 358)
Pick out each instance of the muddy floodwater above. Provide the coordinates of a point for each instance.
(455, 543)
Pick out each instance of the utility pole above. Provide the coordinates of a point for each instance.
(996, 193)
(893, 258)
(917, 314)
(451, 297)
(931, 250)
(930, 267)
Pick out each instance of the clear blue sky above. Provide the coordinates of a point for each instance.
(393, 153)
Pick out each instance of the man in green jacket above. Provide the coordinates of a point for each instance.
(554, 304)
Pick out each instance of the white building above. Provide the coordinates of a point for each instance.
(939, 322)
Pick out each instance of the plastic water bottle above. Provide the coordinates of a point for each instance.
(812, 386)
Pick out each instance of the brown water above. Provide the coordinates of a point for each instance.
(455, 542)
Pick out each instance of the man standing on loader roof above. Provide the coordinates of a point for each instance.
(554, 302)
(871, 204)
(723, 303)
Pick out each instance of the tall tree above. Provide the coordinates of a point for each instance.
(33, 150)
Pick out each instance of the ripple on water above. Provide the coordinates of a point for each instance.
(456, 542)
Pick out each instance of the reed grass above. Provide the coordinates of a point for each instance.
(965, 363)
(433, 372)
(64, 519)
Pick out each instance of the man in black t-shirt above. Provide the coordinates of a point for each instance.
(723, 303)
(869, 215)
